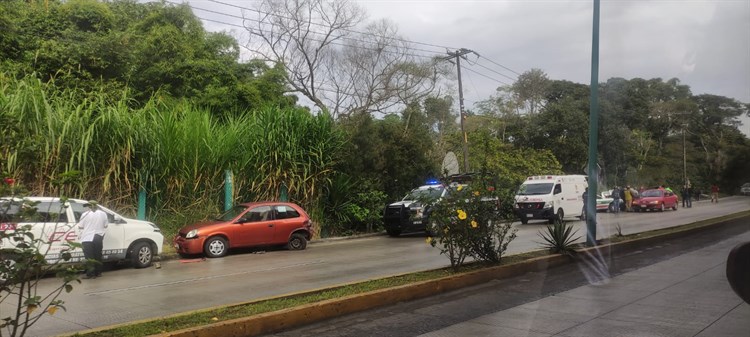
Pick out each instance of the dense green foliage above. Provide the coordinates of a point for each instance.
(644, 128)
(177, 152)
(149, 48)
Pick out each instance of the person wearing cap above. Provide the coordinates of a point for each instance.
(93, 225)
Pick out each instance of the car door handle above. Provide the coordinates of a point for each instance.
(270, 225)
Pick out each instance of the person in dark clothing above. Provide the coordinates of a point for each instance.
(616, 199)
(687, 196)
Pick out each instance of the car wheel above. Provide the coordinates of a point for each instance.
(661, 208)
(524, 220)
(674, 207)
(297, 242)
(393, 232)
(560, 214)
(141, 255)
(215, 247)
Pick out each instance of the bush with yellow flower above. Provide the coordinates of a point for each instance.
(472, 221)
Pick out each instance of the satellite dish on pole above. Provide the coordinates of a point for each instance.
(450, 164)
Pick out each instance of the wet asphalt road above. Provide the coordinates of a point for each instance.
(128, 294)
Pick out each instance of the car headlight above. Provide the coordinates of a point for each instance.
(655, 202)
(156, 228)
(191, 234)
(547, 205)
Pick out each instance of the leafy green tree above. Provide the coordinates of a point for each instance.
(530, 89)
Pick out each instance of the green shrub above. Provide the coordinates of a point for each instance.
(559, 238)
(470, 222)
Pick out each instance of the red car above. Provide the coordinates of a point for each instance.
(656, 199)
(247, 225)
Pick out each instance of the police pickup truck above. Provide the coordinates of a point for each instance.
(412, 213)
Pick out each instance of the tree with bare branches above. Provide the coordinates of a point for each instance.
(339, 69)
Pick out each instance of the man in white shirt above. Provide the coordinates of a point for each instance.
(93, 225)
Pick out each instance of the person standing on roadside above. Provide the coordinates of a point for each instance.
(628, 199)
(585, 197)
(715, 193)
(685, 196)
(93, 225)
(616, 199)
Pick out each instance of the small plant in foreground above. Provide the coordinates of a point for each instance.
(559, 238)
(618, 231)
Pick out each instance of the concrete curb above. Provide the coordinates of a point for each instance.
(276, 321)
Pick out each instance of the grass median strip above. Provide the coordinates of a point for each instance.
(215, 315)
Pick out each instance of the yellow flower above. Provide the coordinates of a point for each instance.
(473, 224)
(429, 240)
(52, 310)
(476, 193)
(461, 215)
(460, 187)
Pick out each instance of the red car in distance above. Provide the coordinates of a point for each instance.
(247, 225)
(656, 199)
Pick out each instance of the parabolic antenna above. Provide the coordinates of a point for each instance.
(450, 164)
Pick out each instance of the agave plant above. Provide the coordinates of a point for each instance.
(559, 237)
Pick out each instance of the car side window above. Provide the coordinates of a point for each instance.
(52, 211)
(261, 213)
(286, 212)
(558, 189)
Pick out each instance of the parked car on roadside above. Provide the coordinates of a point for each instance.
(247, 225)
(655, 200)
(603, 201)
(54, 221)
(745, 189)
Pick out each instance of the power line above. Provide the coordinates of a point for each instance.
(313, 32)
(500, 65)
(319, 40)
(483, 75)
(492, 70)
(347, 38)
(312, 39)
(320, 24)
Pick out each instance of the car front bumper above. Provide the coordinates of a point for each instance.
(189, 246)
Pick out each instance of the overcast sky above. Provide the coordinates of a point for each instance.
(706, 44)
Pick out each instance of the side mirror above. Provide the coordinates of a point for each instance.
(119, 219)
(242, 220)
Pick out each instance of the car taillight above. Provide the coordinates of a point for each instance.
(307, 223)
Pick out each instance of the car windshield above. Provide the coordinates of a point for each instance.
(652, 193)
(429, 193)
(534, 189)
(232, 213)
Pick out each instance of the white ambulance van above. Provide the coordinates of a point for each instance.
(55, 223)
(550, 197)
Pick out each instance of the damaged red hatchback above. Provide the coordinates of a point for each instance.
(247, 225)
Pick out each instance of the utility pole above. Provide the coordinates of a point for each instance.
(593, 170)
(684, 156)
(458, 54)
